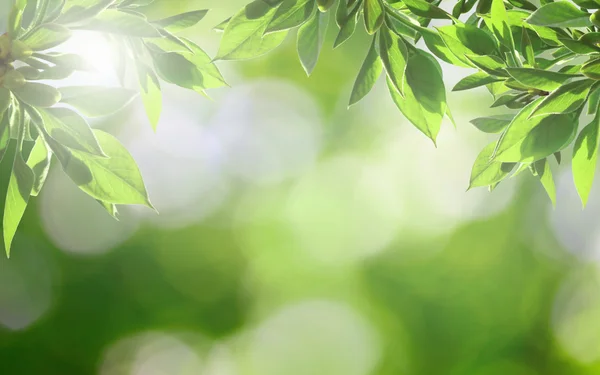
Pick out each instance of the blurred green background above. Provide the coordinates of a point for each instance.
(300, 237)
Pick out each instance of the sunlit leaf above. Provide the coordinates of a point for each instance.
(567, 98)
(243, 37)
(182, 21)
(374, 12)
(560, 14)
(487, 172)
(370, 71)
(97, 101)
(539, 79)
(394, 55)
(39, 163)
(47, 36)
(310, 40)
(290, 14)
(424, 102)
(585, 157)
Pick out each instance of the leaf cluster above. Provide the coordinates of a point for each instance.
(539, 61)
(48, 123)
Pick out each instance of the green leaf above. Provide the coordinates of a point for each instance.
(97, 101)
(4, 133)
(71, 130)
(544, 174)
(150, 93)
(508, 99)
(499, 22)
(204, 75)
(80, 10)
(39, 163)
(310, 41)
(475, 80)
(347, 28)
(122, 23)
(370, 71)
(38, 94)
(591, 69)
(424, 102)
(176, 68)
(393, 53)
(539, 79)
(493, 123)
(464, 39)
(374, 12)
(529, 139)
(593, 101)
(579, 47)
(425, 9)
(181, 21)
(15, 18)
(115, 179)
(19, 189)
(486, 172)
(438, 47)
(560, 14)
(567, 98)
(243, 36)
(5, 99)
(47, 36)
(527, 48)
(110, 208)
(490, 64)
(290, 14)
(585, 157)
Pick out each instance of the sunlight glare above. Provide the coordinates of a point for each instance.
(98, 52)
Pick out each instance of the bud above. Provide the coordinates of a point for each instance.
(5, 46)
(324, 5)
(595, 18)
(13, 79)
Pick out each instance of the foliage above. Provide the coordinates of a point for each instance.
(540, 62)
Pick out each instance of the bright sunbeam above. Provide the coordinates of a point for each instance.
(97, 52)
